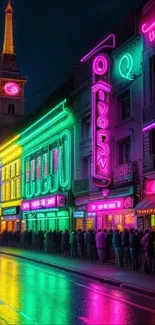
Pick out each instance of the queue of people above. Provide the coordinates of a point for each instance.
(127, 249)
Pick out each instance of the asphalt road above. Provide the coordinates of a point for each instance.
(34, 294)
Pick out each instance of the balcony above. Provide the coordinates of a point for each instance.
(148, 164)
(149, 112)
(83, 186)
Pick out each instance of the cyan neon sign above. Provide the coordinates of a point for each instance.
(125, 66)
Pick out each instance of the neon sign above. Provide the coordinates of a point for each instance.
(150, 30)
(100, 110)
(47, 202)
(125, 66)
(11, 89)
(9, 211)
(111, 204)
(100, 113)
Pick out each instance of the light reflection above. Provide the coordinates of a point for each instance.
(10, 289)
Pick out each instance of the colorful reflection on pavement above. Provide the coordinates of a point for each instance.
(34, 294)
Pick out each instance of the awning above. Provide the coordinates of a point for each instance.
(146, 206)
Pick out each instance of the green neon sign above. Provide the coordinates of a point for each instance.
(9, 211)
(126, 66)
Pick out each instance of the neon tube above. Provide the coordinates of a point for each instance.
(8, 143)
(129, 65)
(100, 46)
(146, 29)
(149, 127)
(41, 119)
(150, 30)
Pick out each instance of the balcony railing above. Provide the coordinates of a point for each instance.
(84, 186)
(81, 186)
(148, 164)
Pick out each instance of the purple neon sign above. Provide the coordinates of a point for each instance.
(47, 202)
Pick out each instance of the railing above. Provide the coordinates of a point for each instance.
(80, 186)
(148, 164)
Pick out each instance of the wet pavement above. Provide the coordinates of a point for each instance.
(35, 294)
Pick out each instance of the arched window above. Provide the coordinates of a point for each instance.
(11, 109)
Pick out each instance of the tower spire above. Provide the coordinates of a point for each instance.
(8, 47)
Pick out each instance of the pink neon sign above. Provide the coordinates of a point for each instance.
(100, 123)
(11, 89)
(111, 204)
(150, 30)
(47, 202)
(100, 113)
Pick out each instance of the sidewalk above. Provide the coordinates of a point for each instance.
(94, 270)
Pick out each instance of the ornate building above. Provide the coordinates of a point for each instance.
(11, 82)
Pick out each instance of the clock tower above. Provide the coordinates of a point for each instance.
(11, 82)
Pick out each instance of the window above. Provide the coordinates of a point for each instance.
(152, 78)
(11, 109)
(125, 107)
(152, 142)
(87, 167)
(124, 151)
(87, 128)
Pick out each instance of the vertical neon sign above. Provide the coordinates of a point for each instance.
(101, 90)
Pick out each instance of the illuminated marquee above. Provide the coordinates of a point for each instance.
(149, 29)
(101, 90)
(111, 204)
(47, 202)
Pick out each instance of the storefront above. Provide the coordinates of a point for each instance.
(113, 214)
(10, 219)
(104, 213)
(46, 213)
(145, 210)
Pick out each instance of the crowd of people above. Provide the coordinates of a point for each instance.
(128, 248)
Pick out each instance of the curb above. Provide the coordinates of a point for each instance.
(122, 285)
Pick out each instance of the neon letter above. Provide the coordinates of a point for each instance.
(126, 66)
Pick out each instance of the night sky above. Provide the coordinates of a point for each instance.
(51, 35)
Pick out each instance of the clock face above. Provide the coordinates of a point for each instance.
(11, 89)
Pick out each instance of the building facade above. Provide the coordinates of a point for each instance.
(145, 210)
(47, 170)
(11, 82)
(108, 106)
(10, 157)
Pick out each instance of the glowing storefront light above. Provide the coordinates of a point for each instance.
(47, 202)
(125, 66)
(149, 29)
(111, 204)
